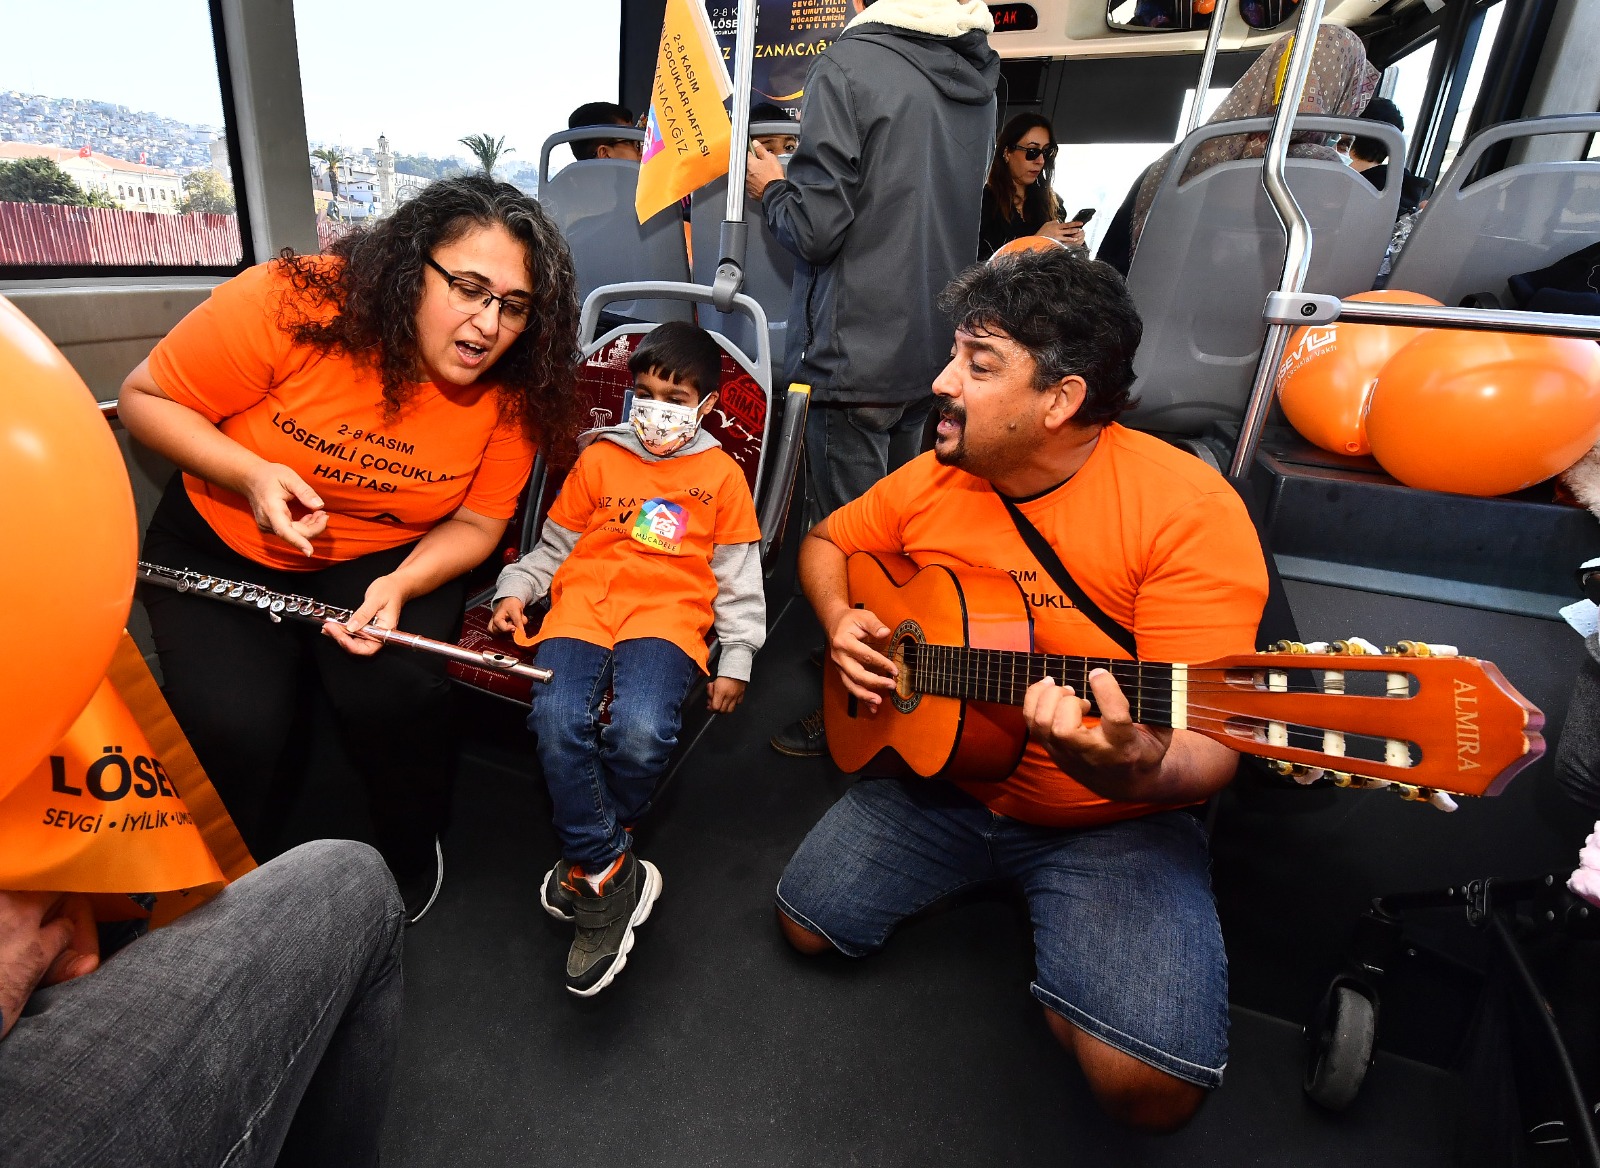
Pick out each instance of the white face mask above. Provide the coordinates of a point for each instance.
(664, 427)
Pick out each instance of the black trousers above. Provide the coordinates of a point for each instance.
(232, 679)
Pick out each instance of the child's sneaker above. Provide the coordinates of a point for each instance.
(553, 894)
(606, 921)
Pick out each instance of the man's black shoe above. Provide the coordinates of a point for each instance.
(803, 739)
(420, 889)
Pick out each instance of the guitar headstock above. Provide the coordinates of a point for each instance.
(1412, 715)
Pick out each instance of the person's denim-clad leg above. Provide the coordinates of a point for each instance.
(650, 678)
(566, 719)
(265, 1020)
(851, 447)
(1127, 946)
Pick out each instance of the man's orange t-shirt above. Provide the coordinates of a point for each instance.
(642, 564)
(383, 483)
(1155, 537)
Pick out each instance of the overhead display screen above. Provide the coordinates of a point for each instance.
(1014, 17)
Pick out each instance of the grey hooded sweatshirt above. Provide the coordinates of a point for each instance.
(739, 611)
(881, 207)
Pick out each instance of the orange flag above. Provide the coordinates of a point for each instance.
(121, 805)
(688, 133)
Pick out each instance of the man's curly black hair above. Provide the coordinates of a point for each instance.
(378, 289)
(1072, 314)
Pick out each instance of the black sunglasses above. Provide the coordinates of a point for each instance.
(470, 297)
(1033, 153)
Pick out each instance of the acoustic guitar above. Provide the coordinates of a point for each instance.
(1414, 716)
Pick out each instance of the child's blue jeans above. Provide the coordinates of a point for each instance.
(601, 776)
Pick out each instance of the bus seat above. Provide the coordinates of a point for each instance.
(1473, 236)
(768, 268)
(592, 203)
(743, 421)
(1213, 248)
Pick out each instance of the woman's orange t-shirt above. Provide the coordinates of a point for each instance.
(384, 483)
(642, 566)
(1155, 537)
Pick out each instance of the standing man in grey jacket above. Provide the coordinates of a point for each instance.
(880, 207)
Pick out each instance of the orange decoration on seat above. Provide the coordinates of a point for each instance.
(1028, 243)
(1328, 371)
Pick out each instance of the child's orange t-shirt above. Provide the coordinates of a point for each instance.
(383, 483)
(1155, 537)
(642, 563)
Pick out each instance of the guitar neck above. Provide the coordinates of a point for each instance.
(1156, 690)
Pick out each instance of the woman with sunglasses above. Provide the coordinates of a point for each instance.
(1018, 198)
(356, 427)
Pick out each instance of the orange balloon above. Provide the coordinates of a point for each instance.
(1326, 378)
(1485, 413)
(1028, 243)
(70, 542)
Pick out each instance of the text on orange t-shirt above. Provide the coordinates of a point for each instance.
(642, 564)
(1155, 537)
(383, 482)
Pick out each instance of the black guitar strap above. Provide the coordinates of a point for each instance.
(1050, 562)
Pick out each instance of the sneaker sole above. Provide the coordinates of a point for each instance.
(641, 913)
(438, 883)
(554, 910)
(793, 753)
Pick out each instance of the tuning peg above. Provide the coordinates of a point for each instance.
(1439, 799)
(1420, 649)
(1299, 772)
(1355, 647)
(1288, 647)
(1316, 647)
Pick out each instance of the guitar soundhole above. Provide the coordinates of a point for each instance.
(905, 698)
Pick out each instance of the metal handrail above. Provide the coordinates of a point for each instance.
(1208, 62)
(1292, 309)
(1297, 254)
(730, 262)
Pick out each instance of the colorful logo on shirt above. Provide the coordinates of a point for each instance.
(661, 525)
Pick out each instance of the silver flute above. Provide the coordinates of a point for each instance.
(277, 605)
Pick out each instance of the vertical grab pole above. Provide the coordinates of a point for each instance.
(1297, 255)
(730, 261)
(1208, 62)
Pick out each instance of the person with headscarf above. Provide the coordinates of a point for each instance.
(1340, 83)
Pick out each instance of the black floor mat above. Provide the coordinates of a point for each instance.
(719, 1046)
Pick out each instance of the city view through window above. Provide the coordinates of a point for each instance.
(374, 145)
(112, 148)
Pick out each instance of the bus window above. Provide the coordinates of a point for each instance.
(1406, 83)
(1099, 174)
(90, 133)
(374, 144)
(1474, 84)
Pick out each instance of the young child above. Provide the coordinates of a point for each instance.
(652, 542)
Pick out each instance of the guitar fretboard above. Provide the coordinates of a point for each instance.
(1004, 675)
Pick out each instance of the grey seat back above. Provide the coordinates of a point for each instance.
(1472, 238)
(768, 268)
(592, 203)
(1213, 248)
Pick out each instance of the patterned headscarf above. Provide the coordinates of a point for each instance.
(1340, 84)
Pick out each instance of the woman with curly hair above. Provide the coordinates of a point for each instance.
(357, 427)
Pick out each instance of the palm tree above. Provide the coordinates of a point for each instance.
(486, 150)
(333, 156)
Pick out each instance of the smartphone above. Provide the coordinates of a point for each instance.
(1083, 216)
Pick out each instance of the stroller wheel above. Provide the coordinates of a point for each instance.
(1340, 1047)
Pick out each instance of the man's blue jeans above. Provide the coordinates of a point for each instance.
(258, 1029)
(601, 775)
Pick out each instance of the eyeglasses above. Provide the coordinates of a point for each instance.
(1034, 153)
(470, 297)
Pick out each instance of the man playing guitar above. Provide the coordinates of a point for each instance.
(1130, 964)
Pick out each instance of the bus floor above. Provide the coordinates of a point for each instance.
(717, 1045)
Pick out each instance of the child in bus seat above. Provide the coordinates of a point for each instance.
(652, 542)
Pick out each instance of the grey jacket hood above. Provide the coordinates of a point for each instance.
(962, 69)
